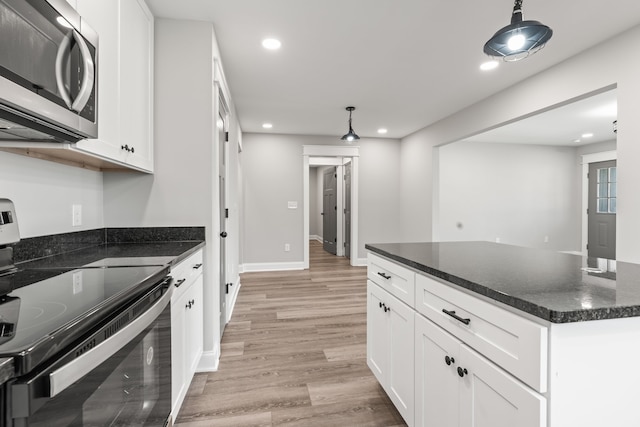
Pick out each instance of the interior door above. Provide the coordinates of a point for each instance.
(329, 210)
(602, 210)
(347, 210)
(222, 203)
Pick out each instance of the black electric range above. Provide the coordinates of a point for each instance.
(44, 311)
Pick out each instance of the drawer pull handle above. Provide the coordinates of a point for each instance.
(462, 372)
(180, 282)
(449, 360)
(386, 308)
(384, 275)
(197, 266)
(455, 316)
(380, 304)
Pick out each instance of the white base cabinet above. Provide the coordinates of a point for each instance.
(186, 326)
(390, 347)
(456, 386)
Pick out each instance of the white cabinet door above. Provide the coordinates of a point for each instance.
(400, 382)
(125, 81)
(193, 330)
(436, 379)
(136, 83)
(390, 347)
(377, 333)
(490, 397)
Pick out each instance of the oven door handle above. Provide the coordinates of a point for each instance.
(68, 374)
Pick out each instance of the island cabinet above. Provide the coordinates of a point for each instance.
(186, 326)
(456, 385)
(448, 359)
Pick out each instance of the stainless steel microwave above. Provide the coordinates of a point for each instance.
(48, 72)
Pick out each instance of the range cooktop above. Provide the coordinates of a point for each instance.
(39, 319)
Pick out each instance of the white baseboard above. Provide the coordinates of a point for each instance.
(272, 266)
(361, 262)
(209, 361)
(234, 298)
(316, 237)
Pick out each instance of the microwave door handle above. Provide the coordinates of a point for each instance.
(68, 374)
(87, 76)
(62, 50)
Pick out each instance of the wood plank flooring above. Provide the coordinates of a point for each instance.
(294, 354)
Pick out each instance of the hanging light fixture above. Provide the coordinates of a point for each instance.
(519, 39)
(351, 135)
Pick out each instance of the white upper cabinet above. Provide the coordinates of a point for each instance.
(125, 82)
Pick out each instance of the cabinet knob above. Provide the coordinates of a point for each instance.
(462, 372)
(386, 308)
(192, 302)
(380, 304)
(223, 234)
(449, 360)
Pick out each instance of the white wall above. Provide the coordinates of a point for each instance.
(184, 188)
(519, 194)
(602, 67)
(272, 167)
(43, 193)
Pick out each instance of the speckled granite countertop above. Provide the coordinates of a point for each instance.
(556, 287)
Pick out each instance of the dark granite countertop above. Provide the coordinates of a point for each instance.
(556, 287)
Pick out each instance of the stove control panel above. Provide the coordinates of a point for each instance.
(8, 223)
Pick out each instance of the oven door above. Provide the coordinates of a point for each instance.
(123, 381)
(47, 66)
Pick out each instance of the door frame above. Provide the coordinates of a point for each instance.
(586, 159)
(312, 154)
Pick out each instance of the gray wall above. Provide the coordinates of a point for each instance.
(43, 193)
(603, 67)
(519, 194)
(272, 166)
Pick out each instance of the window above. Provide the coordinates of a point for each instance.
(606, 190)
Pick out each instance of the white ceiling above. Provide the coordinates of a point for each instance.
(402, 64)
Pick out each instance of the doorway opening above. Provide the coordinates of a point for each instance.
(345, 161)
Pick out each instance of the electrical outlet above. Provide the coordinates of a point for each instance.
(77, 215)
(287, 247)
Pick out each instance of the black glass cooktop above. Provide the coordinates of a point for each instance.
(40, 319)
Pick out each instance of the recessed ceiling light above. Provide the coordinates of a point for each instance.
(267, 125)
(489, 65)
(576, 140)
(382, 131)
(271, 44)
(587, 135)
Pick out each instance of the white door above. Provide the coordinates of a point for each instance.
(436, 378)
(222, 204)
(489, 397)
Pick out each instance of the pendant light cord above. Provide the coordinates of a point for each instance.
(517, 10)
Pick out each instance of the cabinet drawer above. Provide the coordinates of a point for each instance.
(514, 343)
(185, 273)
(397, 280)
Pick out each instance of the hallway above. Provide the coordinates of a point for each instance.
(294, 354)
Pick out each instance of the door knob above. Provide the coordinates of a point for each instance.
(223, 234)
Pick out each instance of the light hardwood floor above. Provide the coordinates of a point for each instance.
(294, 354)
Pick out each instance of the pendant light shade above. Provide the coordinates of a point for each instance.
(351, 135)
(519, 39)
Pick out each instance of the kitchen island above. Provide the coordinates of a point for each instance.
(479, 333)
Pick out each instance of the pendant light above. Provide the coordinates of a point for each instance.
(351, 135)
(519, 39)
